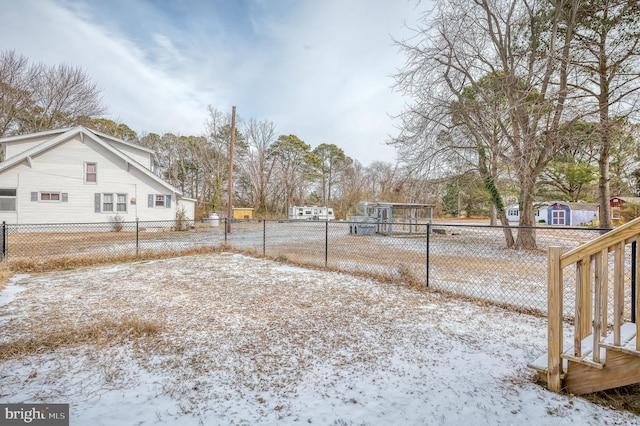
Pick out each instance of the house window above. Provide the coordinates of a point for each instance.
(107, 202)
(157, 200)
(7, 200)
(513, 212)
(90, 173)
(121, 205)
(49, 196)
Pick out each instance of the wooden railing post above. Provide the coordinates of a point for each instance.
(587, 297)
(637, 304)
(600, 294)
(618, 291)
(554, 330)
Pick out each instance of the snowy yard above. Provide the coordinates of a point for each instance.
(228, 339)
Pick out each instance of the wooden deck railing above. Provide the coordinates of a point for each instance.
(592, 295)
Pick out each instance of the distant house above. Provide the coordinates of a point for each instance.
(617, 202)
(540, 212)
(572, 214)
(84, 176)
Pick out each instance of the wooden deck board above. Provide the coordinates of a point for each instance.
(621, 369)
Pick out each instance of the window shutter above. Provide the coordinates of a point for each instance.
(34, 196)
(150, 201)
(97, 202)
(167, 201)
(65, 197)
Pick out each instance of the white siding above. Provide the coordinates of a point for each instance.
(61, 169)
(17, 147)
(141, 156)
(513, 212)
(189, 207)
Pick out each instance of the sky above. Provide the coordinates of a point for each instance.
(321, 70)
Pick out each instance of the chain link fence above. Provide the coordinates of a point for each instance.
(464, 259)
(106, 239)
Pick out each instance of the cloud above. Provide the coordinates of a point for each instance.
(320, 70)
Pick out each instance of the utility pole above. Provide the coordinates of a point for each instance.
(230, 201)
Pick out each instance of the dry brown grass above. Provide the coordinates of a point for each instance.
(67, 335)
(35, 264)
(625, 398)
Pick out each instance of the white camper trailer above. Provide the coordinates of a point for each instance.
(310, 213)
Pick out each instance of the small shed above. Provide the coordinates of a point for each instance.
(559, 214)
(242, 213)
(187, 206)
(572, 214)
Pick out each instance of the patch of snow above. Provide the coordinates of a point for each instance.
(250, 341)
(8, 294)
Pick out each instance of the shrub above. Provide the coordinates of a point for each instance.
(116, 222)
(182, 221)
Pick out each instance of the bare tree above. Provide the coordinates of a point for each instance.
(525, 46)
(381, 179)
(61, 96)
(215, 154)
(351, 189)
(257, 165)
(15, 90)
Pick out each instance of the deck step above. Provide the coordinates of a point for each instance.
(627, 340)
(540, 364)
(627, 346)
(587, 354)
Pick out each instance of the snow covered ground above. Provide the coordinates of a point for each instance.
(250, 341)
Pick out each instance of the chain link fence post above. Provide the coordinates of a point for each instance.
(326, 243)
(634, 274)
(4, 240)
(427, 254)
(225, 229)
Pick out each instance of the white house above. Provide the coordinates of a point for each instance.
(539, 211)
(78, 175)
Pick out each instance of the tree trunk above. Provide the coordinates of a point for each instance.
(493, 221)
(526, 236)
(605, 193)
(496, 198)
(605, 146)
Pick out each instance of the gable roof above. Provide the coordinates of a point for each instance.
(19, 138)
(632, 200)
(66, 134)
(34, 135)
